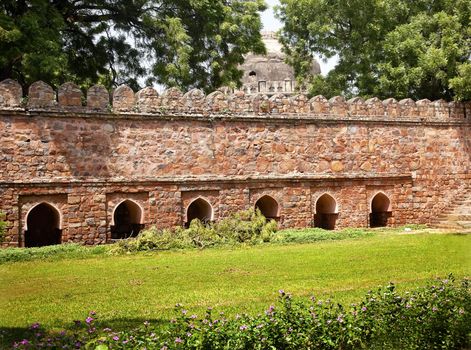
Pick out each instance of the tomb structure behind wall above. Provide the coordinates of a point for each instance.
(108, 167)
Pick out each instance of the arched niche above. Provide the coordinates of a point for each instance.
(326, 212)
(199, 209)
(43, 226)
(269, 207)
(380, 210)
(127, 220)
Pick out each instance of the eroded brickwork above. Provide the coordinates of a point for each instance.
(164, 151)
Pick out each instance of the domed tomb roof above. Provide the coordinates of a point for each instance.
(270, 68)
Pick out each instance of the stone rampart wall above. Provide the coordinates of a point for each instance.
(124, 100)
(164, 151)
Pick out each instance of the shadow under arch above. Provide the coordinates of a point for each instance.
(269, 207)
(380, 210)
(326, 213)
(200, 209)
(43, 226)
(127, 220)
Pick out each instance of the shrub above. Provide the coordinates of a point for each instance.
(3, 227)
(248, 226)
(434, 317)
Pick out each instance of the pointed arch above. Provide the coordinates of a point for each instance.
(201, 209)
(268, 206)
(43, 225)
(127, 219)
(326, 212)
(380, 210)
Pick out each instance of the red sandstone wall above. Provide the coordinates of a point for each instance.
(164, 151)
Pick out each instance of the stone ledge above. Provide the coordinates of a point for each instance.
(209, 179)
(272, 118)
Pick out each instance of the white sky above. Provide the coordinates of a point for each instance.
(270, 23)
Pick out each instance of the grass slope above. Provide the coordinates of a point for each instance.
(132, 288)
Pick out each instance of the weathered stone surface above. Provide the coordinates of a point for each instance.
(147, 100)
(336, 166)
(457, 110)
(70, 96)
(239, 102)
(291, 149)
(440, 109)
(299, 104)
(391, 107)
(261, 103)
(194, 101)
(408, 108)
(10, 94)
(279, 103)
(124, 99)
(319, 105)
(338, 106)
(41, 95)
(425, 109)
(98, 99)
(171, 100)
(217, 102)
(357, 106)
(374, 107)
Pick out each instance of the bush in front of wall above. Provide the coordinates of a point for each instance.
(437, 316)
(244, 227)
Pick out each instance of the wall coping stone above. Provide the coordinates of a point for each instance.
(292, 118)
(42, 98)
(298, 177)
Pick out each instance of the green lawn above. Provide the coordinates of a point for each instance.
(124, 289)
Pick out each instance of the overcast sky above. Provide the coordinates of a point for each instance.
(270, 23)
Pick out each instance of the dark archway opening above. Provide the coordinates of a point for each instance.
(380, 210)
(43, 223)
(252, 74)
(268, 207)
(326, 212)
(199, 209)
(127, 220)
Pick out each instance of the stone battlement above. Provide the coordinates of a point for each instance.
(123, 100)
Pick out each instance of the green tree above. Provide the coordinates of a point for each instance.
(398, 48)
(191, 43)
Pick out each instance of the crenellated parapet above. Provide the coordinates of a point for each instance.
(123, 100)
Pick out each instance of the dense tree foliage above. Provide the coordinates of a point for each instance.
(399, 48)
(190, 43)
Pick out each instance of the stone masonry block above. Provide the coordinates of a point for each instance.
(98, 98)
(70, 96)
(41, 95)
(148, 100)
(124, 99)
(10, 93)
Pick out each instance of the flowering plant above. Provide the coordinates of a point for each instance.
(437, 316)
